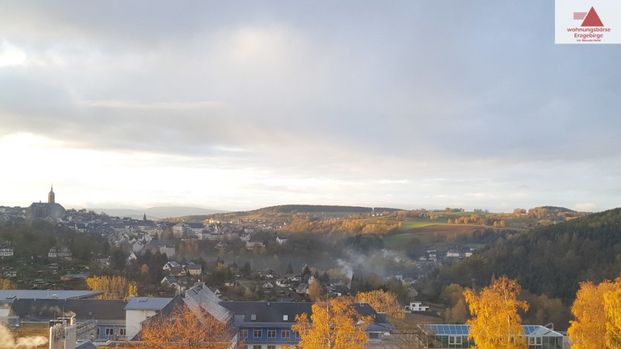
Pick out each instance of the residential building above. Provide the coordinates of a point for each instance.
(139, 309)
(252, 245)
(267, 325)
(194, 269)
(195, 229)
(6, 251)
(173, 268)
(163, 247)
(178, 230)
(417, 307)
(59, 252)
(257, 324)
(108, 316)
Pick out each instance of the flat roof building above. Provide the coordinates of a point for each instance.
(447, 336)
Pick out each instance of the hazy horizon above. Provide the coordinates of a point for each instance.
(241, 105)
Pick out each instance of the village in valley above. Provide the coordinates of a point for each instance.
(193, 259)
(310, 174)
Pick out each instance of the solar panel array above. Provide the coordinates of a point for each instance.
(442, 329)
(462, 330)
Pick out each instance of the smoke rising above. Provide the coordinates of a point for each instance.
(8, 341)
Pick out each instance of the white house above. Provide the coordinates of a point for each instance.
(61, 252)
(178, 230)
(139, 309)
(195, 229)
(6, 251)
(417, 307)
(251, 245)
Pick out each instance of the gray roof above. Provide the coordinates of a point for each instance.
(84, 309)
(271, 314)
(200, 296)
(46, 294)
(266, 311)
(147, 303)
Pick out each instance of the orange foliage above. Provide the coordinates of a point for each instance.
(495, 322)
(114, 287)
(6, 284)
(183, 329)
(383, 302)
(335, 325)
(597, 312)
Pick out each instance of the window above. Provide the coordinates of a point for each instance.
(285, 317)
(256, 333)
(109, 331)
(253, 317)
(243, 333)
(271, 333)
(256, 346)
(455, 340)
(374, 335)
(535, 341)
(271, 347)
(285, 334)
(122, 331)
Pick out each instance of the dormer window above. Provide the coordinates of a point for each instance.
(285, 317)
(253, 317)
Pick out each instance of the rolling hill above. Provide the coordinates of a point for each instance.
(284, 213)
(156, 212)
(549, 260)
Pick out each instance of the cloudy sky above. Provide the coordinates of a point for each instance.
(236, 105)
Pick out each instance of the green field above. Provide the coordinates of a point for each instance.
(426, 233)
(413, 224)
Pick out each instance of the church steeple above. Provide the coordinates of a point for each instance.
(51, 197)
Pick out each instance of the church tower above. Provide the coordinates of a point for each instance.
(51, 197)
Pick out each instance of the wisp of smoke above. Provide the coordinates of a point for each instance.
(7, 341)
(346, 268)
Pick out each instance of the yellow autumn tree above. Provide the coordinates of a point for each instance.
(6, 284)
(612, 307)
(383, 302)
(333, 324)
(132, 289)
(495, 322)
(113, 287)
(597, 313)
(314, 290)
(184, 329)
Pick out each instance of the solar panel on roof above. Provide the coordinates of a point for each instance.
(447, 329)
(462, 330)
